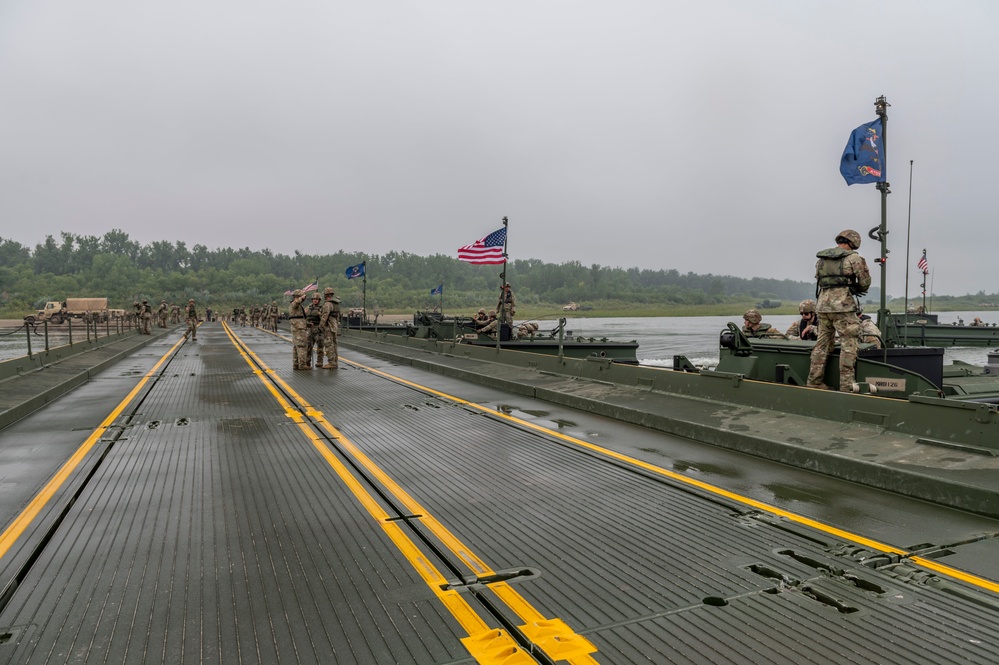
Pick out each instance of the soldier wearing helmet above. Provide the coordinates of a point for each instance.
(480, 318)
(147, 317)
(329, 325)
(490, 326)
(314, 340)
(806, 327)
(191, 313)
(272, 316)
(755, 327)
(841, 277)
(299, 330)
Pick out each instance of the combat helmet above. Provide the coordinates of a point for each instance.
(298, 293)
(752, 316)
(806, 307)
(850, 237)
(328, 291)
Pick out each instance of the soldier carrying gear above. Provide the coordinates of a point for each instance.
(299, 331)
(840, 276)
(329, 327)
(315, 339)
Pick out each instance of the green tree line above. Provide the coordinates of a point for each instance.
(115, 266)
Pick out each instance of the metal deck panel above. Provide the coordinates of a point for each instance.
(523, 500)
(227, 537)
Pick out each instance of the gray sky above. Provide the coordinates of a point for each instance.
(702, 136)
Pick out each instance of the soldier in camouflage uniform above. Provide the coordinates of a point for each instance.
(805, 328)
(507, 305)
(842, 275)
(869, 331)
(272, 316)
(175, 314)
(147, 317)
(299, 332)
(163, 312)
(314, 340)
(754, 326)
(329, 324)
(191, 314)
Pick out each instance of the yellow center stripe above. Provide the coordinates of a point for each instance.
(487, 646)
(37, 504)
(718, 491)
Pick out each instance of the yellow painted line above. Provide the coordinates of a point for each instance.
(713, 489)
(38, 503)
(486, 644)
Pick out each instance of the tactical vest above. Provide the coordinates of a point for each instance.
(830, 269)
(314, 314)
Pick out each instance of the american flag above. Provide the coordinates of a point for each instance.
(922, 265)
(311, 287)
(485, 251)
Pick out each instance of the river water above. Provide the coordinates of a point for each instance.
(659, 338)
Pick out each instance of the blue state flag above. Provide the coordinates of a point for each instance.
(437, 290)
(864, 158)
(355, 271)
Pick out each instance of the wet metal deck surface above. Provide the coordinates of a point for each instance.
(234, 511)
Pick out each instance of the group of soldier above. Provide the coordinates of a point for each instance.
(165, 312)
(259, 316)
(314, 327)
(842, 277)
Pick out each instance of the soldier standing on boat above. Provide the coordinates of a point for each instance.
(329, 325)
(507, 305)
(296, 319)
(754, 326)
(806, 327)
(842, 276)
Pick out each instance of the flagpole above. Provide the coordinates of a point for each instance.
(908, 235)
(881, 232)
(502, 309)
(364, 291)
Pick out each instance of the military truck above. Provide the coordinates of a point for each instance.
(56, 312)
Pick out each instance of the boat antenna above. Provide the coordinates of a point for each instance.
(908, 235)
(881, 232)
(502, 303)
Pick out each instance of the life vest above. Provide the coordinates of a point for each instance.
(830, 268)
(314, 314)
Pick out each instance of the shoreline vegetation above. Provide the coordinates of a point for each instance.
(396, 283)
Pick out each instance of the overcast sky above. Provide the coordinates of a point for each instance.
(703, 136)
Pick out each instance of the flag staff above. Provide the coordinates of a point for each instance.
(502, 304)
(880, 233)
(908, 235)
(364, 291)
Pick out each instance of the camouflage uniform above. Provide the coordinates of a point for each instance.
(841, 274)
(755, 327)
(272, 316)
(314, 340)
(174, 314)
(869, 332)
(807, 323)
(191, 314)
(147, 318)
(329, 324)
(491, 326)
(299, 332)
(163, 312)
(507, 305)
